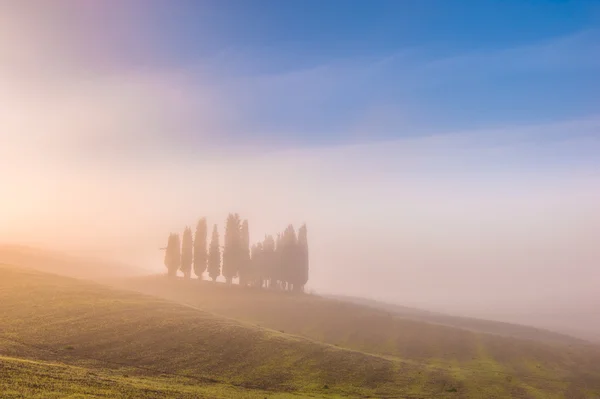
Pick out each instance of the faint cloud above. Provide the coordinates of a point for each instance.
(574, 51)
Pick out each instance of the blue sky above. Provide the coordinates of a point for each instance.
(435, 64)
(330, 72)
(411, 65)
(206, 76)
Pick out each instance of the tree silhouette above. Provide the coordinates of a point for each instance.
(200, 255)
(277, 265)
(232, 247)
(173, 255)
(244, 255)
(214, 255)
(256, 265)
(281, 263)
(269, 262)
(288, 254)
(187, 252)
(302, 257)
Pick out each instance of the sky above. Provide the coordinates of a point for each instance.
(444, 154)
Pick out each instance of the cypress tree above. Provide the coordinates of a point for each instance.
(173, 255)
(253, 265)
(277, 265)
(268, 262)
(302, 258)
(257, 264)
(200, 248)
(214, 255)
(187, 252)
(289, 244)
(167, 252)
(232, 247)
(244, 256)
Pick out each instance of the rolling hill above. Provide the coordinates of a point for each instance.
(468, 323)
(21, 378)
(64, 264)
(62, 336)
(52, 319)
(411, 340)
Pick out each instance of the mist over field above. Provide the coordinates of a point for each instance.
(398, 221)
(103, 155)
(286, 199)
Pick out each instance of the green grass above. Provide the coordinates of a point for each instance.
(57, 319)
(478, 362)
(85, 339)
(46, 380)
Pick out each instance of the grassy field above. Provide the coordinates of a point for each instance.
(20, 378)
(468, 323)
(553, 365)
(62, 337)
(50, 318)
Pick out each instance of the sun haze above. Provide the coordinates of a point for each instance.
(442, 156)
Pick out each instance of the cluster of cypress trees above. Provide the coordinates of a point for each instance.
(280, 263)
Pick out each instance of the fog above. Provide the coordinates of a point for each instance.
(493, 223)
(407, 222)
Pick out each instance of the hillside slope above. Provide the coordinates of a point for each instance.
(468, 323)
(64, 264)
(52, 318)
(148, 340)
(20, 378)
(380, 332)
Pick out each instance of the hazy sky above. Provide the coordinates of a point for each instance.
(443, 154)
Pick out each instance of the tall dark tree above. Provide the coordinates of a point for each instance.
(200, 255)
(302, 264)
(244, 256)
(173, 255)
(232, 247)
(277, 275)
(187, 252)
(269, 262)
(214, 255)
(256, 265)
(288, 254)
(281, 263)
